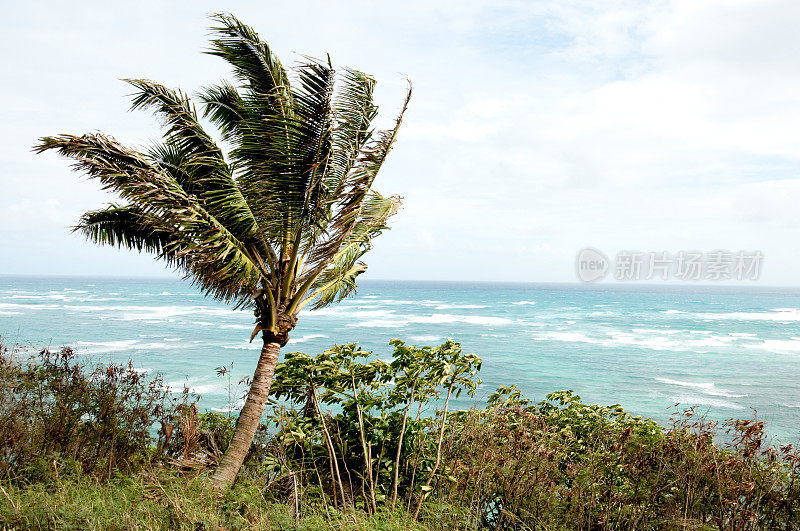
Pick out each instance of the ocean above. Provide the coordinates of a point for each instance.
(729, 351)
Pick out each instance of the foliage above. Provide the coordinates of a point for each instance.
(364, 448)
(279, 220)
(86, 446)
(61, 416)
(563, 463)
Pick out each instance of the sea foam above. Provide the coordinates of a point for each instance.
(707, 388)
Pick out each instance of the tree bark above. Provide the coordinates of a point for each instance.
(438, 452)
(249, 417)
(400, 446)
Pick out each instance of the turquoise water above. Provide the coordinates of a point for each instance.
(726, 350)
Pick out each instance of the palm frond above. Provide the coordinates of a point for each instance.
(194, 159)
(280, 157)
(218, 196)
(253, 62)
(376, 210)
(224, 106)
(348, 207)
(156, 194)
(312, 96)
(354, 111)
(337, 282)
(180, 117)
(126, 226)
(211, 267)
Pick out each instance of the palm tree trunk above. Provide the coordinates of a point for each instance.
(249, 417)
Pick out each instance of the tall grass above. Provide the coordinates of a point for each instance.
(167, 500)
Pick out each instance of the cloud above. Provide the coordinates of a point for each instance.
(536, 128)
(770, 202)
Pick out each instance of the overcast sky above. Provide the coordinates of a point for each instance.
(536, 128)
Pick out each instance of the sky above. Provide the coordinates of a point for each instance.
(535, 129)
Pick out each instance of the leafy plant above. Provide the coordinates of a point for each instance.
(561, 463)
(365, 431)
(59, 415)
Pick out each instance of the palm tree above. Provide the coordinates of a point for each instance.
(278, 221)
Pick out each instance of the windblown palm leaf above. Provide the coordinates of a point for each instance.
(280, 220)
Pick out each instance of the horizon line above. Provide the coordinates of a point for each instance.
(573, 284)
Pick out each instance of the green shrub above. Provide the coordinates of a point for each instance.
(352, 423)
(565, 463)
(61, 416)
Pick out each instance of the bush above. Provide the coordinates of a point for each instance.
(351, 422)
(60, 415)
(565, 463)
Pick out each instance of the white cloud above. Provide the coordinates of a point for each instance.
(769, 202)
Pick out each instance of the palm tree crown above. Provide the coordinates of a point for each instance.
(278, 221)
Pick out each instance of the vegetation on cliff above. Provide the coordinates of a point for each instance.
(360, 441)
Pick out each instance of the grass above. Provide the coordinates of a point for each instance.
(165, 500)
